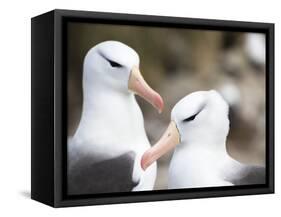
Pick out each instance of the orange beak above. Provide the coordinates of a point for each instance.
(139, 86)
(167, 142)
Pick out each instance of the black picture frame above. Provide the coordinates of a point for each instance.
(49, 107)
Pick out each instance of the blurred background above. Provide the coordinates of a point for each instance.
(176, 62)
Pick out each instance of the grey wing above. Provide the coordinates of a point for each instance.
(87, 176)
(249, 175)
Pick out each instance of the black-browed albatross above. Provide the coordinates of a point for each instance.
(198, 130)
(104, 153)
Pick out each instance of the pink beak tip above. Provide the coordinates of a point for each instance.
(159, 103)
(144, 160)
(143, 165)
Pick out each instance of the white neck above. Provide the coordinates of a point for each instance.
(111, 118)
(213, 146)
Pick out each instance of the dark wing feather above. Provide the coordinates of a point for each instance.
(249, 175)
(113, 175)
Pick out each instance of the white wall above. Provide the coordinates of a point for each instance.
(15, 106)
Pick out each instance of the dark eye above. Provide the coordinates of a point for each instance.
(114, 64)
(191, 118)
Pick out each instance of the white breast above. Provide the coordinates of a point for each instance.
(192, 168)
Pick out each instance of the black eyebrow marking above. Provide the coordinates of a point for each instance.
(114, 64)
(111, 62)
(191, 118)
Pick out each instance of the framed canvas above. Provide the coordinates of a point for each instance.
(133, 108)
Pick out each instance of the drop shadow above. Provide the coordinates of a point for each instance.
(25, 194)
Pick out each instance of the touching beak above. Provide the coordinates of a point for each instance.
(139, 86)
(167, 142)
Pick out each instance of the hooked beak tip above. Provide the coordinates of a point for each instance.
(143, 164)
(145, 160)
(159, 103)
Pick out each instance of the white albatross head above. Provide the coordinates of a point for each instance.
(112, 65)
(199, 119)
